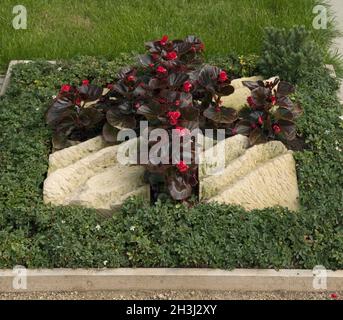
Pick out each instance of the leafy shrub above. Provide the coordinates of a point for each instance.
(72, 114)
(271, 112)
(289, 54)
(170, 88)
(173, 90)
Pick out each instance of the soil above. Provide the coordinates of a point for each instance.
(298, 144)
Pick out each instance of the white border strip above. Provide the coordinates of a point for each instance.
(41, 280)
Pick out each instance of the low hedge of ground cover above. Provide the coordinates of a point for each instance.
(36, 235)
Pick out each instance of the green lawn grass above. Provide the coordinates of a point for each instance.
(62, 29)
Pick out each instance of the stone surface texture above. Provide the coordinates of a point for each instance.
(238, 99)
(255, 178)
(89, 175)
(68, 156)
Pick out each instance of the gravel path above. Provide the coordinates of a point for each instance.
(171, 295)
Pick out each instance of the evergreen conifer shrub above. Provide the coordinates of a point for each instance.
(290, 54)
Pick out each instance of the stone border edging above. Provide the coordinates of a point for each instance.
(124, 279)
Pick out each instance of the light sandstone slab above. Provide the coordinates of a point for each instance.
(238, 99)
(109, 187)
(257, 177)
(212, 185)
(214, 159)
(65, 157)
(64, 181)
(90, 175)
(273, 183)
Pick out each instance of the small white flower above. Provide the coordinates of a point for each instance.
(63, 221)
(105, 262)
(341, 117)
(339, 149)
(327, 131)
(54, 97)
(132, 228)
(37, 109)
(97, 227)
(59, 69)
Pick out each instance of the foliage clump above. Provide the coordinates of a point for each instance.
(270, 113)
(289, 53)
(171, 88)
(174, 90)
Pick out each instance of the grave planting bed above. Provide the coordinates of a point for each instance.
(168, 234)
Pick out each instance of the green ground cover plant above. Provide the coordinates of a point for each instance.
(165, 235)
